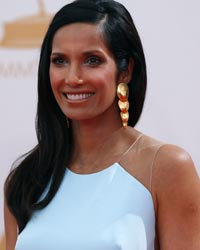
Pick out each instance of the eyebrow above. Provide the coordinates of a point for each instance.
(85, 52)
(93, 51)
(57, 54)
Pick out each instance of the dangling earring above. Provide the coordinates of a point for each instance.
(123, 93)
(68, 123)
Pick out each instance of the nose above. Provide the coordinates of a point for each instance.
(73, 76)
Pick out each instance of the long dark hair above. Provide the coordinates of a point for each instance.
(45, 165)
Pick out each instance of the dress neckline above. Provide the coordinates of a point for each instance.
(104, 170)
(113, 164)
(112, 167)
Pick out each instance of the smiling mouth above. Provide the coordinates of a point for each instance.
(78, 97)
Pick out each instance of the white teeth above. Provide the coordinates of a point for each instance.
(78, 96)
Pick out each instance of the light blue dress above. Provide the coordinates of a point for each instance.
(107, 210)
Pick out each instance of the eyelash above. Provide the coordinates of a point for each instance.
(58, 61)
(90, 60)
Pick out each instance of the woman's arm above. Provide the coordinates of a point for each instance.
(10, 228)
(177, 189)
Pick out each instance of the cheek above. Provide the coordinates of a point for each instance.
(109, 83)
(105, 79)
(55, 78)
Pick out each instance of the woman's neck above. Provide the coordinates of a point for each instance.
(91, 138)
(89, 135)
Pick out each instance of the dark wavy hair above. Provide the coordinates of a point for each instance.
(45, 165)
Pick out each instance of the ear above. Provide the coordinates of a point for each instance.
(125, 76)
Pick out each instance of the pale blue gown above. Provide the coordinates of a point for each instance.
(107, 210)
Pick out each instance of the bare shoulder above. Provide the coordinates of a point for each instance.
(176, 186)
(174, 173)
(174, 153)
(174, 165)
(169, 173)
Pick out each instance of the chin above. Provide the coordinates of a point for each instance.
(79, 117)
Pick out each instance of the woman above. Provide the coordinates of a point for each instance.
(93, 181)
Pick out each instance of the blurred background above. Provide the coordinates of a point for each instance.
(170, 34)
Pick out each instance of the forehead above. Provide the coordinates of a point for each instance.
(79, 36)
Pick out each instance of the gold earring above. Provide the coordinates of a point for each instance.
(123, 93)
(68, 123)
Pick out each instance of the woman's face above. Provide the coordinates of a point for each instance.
(82, 72)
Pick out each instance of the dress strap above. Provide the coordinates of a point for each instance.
(130, 147)
(152, 166)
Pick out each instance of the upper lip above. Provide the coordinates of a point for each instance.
(78, 92)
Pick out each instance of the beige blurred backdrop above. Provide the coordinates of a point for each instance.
(171, 36)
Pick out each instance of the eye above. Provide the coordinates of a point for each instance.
(93, 60)
(59, 61)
